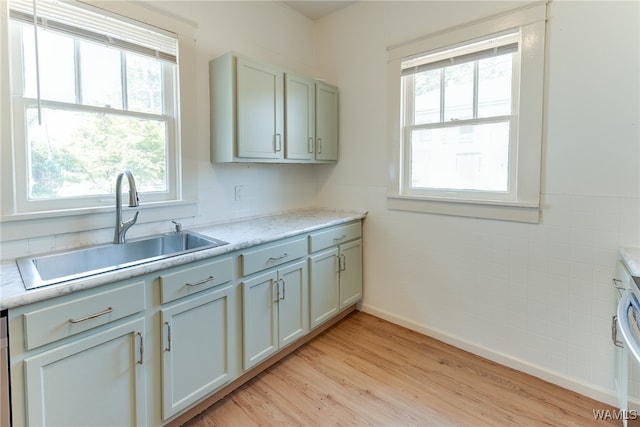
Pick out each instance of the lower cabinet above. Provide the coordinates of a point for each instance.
(196, 348)
(95, 380)
(145, 350)
(335, 271)
(274, 311)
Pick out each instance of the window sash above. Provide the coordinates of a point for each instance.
(22, 103)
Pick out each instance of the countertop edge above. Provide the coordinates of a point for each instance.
(240, 234)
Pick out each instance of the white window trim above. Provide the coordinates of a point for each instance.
(18, 225)
(525, 203)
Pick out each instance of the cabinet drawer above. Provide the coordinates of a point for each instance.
(78, 315)
(271, 255)
(334, 236)
(195, 279)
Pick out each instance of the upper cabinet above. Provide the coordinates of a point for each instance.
(260, 113)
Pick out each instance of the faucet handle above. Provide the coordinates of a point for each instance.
(178, 226)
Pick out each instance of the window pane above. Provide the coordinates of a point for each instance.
(144, 84)
(57, 72)
(76, 153)
(473, 157)
(494, 86)
(427, 97)
(101, 75)
(458, 92)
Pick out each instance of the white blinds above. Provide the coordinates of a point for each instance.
(494, 46)
(89, 22)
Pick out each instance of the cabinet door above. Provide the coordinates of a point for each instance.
(196, 349)
(324, 298)
(326, 122)
(107, 386)
(293, 302)
(350, 273)
(260, 317)
(300, 117)
(260, 110)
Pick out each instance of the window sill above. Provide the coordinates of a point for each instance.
(505, 211)
(38, 224)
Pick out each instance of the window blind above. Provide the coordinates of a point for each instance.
(97, 25)
(495, 46)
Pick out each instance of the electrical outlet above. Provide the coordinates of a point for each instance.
(237, 192)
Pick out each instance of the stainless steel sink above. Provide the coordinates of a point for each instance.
(57, 267)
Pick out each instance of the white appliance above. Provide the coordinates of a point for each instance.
(625, 327)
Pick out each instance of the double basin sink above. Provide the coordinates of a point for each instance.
(58, 267)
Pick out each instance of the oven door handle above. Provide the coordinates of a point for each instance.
(629, 300)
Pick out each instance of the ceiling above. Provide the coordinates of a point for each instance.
(316, 9)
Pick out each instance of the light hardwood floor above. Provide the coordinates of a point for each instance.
(367, 371)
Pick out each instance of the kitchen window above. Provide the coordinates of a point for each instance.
(92, 93)
(469, 119)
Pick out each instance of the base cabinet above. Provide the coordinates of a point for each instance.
(97, 380)
(196, 349)
(274, 311)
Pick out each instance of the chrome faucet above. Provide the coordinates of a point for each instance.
(122, 227)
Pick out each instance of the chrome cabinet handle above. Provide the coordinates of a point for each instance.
(336, 239)
(279, 257)
(201, 282)
(141, 348)
(310, 145)
(614, 332)
(344, 262)
(615, 284)
(284, 288)
(92, 316)
(168, 347)
(277, 143)
(319, 145)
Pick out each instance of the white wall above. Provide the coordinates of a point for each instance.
(536, 297)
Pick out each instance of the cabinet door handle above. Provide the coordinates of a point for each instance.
(344, 262)
(310, 145)
(278, 257)
(141, 348)
(319, 145)
(617, 284)
(284, 289)
(168, 347)
(92, 316)
(277, 291)
(201, 282)
(614, 332)
(337, 239)
(277, 141)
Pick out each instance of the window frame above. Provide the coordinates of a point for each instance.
(522, 202)
(24, 208)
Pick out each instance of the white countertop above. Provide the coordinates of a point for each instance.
(631, 257)
(240, 234)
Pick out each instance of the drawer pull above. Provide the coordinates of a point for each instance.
(279, 257)
(201, 282)
(92, 316)
(337, 239)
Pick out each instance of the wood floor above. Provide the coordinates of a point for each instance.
(369, 372)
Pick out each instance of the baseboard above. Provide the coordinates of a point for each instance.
(586, 389)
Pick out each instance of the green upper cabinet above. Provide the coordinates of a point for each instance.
(260, 113)
(326, 122)
(300, 110)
